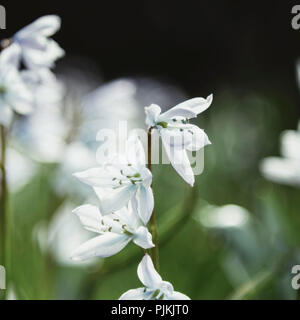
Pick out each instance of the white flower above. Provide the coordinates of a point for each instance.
(285, 169)
(155, 288)
(35, 48)
(14, 95)
(116, 231)
(177, 134)
(123, 180)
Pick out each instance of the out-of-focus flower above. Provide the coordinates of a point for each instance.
(116, 231)
(52, 238)
(228, 216)
(177, 134)
(123, 179)
(14, 94)
(35, 47)
(285, 169)
(76, 157)
(19, 169)
(124, 100)
(155, 288)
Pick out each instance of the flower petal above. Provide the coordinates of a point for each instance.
(103, 246)
(152, 114)
(290, 144)
(199, 139)
(6, 114)
(89, 216)
(113, 200)
(189, 109)
(10, 56)
(136, 294)
(147, 273)
(143, 238)
(46, 26)
(96, 177)
(281, 170)
(135, 151)
(180, 162)
(177, 296)
(145, 203)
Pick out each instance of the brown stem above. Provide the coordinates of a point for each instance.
(153, 228)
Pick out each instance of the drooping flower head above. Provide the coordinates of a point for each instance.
(116, 231)
(154, 287)
(123, 179)
(14, 94)
(177, 134)
(34, 46)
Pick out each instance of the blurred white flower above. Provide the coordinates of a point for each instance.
(155, 288)
(123, 179)
(123, 99)
(76, 157)
(14, 94)
(227, 216)
(285, 169)
(116, 231)
(177, 134)
(35, 47)
(64, 225)
(19, 169)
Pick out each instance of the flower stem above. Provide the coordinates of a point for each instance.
(153, 228)
(3, 195)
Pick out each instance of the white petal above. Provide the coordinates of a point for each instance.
(290, 144)
(189, 109)
(96, 177)
(89, 216)
(281, 170)
(176, 138)
(152, 113)
(18, 96)
(110, 201)
(145, 203)
(135, 150)
(42, 58)
(46, 26)
(143, 238)
(167, 288)
(180, 162)
(177, 296)
(103, 246)
(147, 274)
(10, 56)
(6, 114)
(199, 139)
(136, 294)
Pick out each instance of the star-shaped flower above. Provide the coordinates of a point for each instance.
(177, 134)
(155, 288)
(121, 180)
(116, 231)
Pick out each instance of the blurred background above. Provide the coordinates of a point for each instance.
(235, 235)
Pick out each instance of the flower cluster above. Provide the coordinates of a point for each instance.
(123, 187)
(32, 47)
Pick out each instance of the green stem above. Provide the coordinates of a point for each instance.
(3, 196)
(153, 228)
